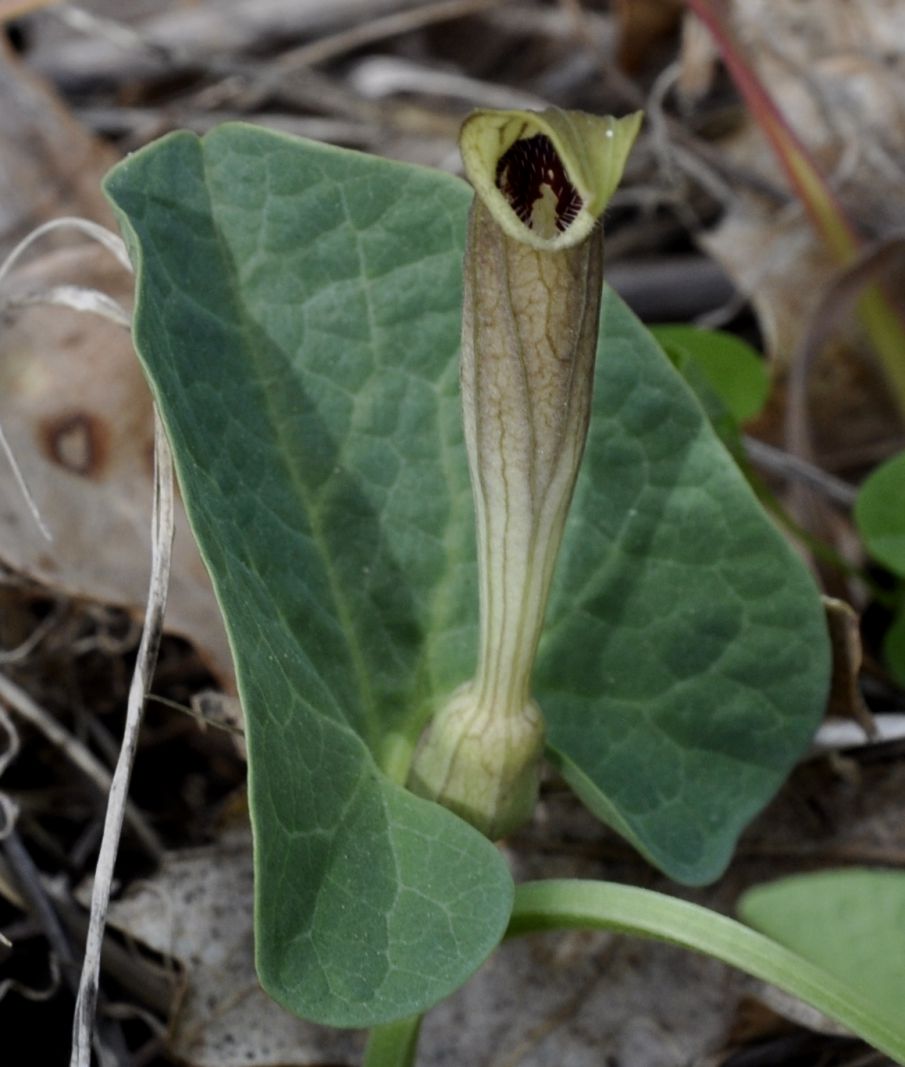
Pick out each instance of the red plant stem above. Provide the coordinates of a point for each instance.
(879, 314)
(818, 199)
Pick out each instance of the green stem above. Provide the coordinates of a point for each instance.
(393, 1044)
(565, 904)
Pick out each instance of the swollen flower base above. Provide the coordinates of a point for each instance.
(533, 282)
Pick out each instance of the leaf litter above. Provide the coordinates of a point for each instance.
(575, 999)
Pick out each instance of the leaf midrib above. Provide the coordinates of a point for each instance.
(245, 320)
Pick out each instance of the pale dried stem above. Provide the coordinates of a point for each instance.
(161, 547)
(83, 299)
(76, 298)
(381, 76)
(96, 232)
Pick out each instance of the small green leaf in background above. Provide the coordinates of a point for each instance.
(850, 922)
(733, 369)
(880, 514)
(880, 518)
(720, 417)
(894, 647)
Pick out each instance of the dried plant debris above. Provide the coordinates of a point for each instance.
(196, 912)
(50, 164)
(77, 413)
(706, 225)
(833, 76)
(65, 697)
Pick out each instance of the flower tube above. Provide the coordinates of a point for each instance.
(533, 282)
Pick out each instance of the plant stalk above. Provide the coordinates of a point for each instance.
(393, 1044)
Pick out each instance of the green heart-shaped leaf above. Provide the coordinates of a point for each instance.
(686, 661)
(298, 316)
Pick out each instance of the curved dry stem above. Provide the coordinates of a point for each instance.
(161, 545)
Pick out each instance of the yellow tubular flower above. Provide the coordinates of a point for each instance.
(533, 281)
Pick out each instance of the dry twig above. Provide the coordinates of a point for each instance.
(161, 546)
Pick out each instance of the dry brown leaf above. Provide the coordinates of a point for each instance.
(77, 412)
(197, 910)
(49, 164)
(831, 69)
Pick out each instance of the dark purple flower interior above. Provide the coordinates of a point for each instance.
(523, 171)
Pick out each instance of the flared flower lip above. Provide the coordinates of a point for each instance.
(591, 152)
